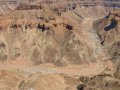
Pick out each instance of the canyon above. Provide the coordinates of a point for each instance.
(59, 45)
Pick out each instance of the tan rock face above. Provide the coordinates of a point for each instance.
(108, 30)
(43, 39)
(9, 80)
(111, 23)
(46, 82)
(18, 80)
(6, 6)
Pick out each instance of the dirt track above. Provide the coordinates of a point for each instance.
(84, 70)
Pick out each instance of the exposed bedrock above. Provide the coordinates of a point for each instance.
(43, 47)
(82, 39)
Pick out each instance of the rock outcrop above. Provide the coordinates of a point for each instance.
(59, 45)
(41, 42)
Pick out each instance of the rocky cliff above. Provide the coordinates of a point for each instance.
(40, 36)
(59, 45)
